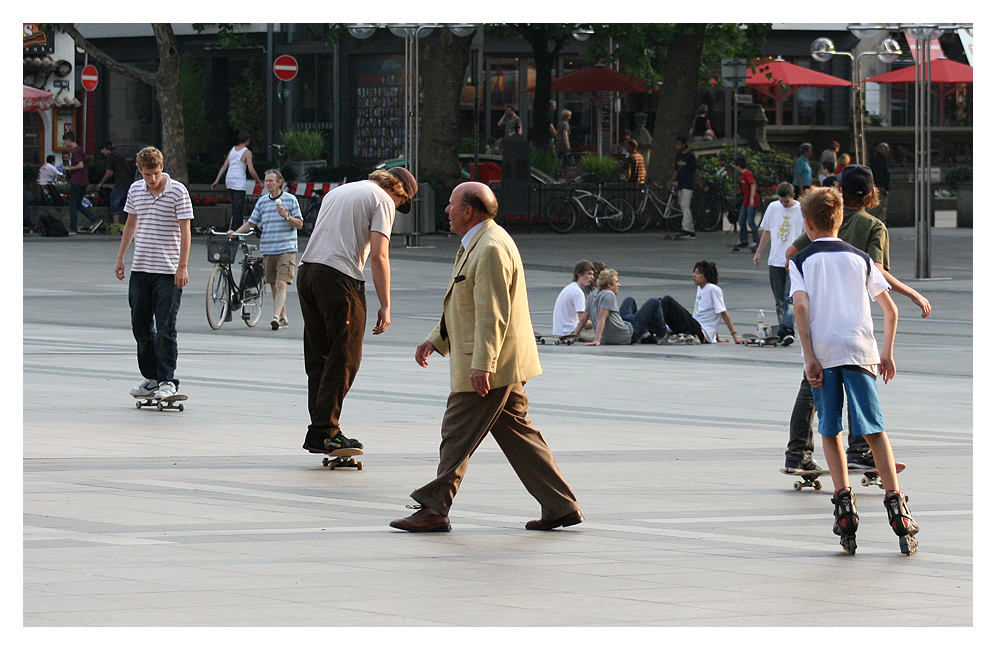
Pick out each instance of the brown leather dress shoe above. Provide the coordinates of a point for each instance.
(566, 521)
(423, 521)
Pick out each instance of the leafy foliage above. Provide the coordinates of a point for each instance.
(247, 107)
(770, 168)
(958, 174)
(303, 144)
(601, 169)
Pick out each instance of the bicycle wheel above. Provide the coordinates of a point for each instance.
(216, 297)
(710, 214)
(560, 215)
(252, 302)
(621, 215)
(672, 218)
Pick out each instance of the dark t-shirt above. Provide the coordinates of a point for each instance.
(685, 165)
(78, 177)
(123, 173)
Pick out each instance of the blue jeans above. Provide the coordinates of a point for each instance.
(117, 201)
(75, 203)
(155, 301)
(746, 219)
(779, 280)
(649, 318)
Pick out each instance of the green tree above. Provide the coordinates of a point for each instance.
(678, 56)
(165, 81)
(247, 106)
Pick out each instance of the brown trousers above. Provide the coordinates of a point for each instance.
(503, 412)
(334, 311)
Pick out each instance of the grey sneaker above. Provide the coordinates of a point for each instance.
(275, 322)
(144, 390)
(166, 390)
(97, 224)
(283, 322)
(864, 462)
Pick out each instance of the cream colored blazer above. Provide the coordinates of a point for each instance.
(487, 315)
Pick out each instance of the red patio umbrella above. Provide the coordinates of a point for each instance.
(944, 72)
(36, 100)
(596, 80)
(780, 79)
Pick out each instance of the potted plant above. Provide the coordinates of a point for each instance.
(304, 149)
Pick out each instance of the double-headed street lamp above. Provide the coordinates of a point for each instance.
(823, 49)
(411, 33)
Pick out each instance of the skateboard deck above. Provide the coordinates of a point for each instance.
(557, 340)
(342, 458)
(754, 340)
(173, 402)
(747, 247)
(810, 477)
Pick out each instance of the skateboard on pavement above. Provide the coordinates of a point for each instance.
(810, 477)
(173, 402)
(342, 458)
(557, 340)
(755, 340)
(737, 247)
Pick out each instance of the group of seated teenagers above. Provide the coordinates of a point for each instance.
(588, 310)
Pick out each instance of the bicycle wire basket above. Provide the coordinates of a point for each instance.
(222, 250)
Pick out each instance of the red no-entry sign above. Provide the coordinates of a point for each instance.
(88, 78)
(285, 67)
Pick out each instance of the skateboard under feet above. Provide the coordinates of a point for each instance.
(809, 478)
(173, 402)
(342, 458)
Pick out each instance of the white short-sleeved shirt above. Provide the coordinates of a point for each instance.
(569, 303)
(157, 236)
(840, 282)
(709, 306)
(341, 238)
(784, 226)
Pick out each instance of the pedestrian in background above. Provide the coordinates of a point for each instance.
(78, 182)
(238, 161)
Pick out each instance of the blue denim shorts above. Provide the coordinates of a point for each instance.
(863, 402)
(117, 201)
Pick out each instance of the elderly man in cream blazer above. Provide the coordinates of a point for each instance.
(487, 333)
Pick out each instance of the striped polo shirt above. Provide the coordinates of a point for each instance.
(157, 237)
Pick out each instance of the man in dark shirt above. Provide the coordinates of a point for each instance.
(685, 175)
(881, 174)
(122, 173)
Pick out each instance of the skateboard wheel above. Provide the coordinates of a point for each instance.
(865, 481)
(138, 405)
(797, 486)
(159, 406)
(325, 462)
(818, 485)
(557, 342)
(180, 407)
(359, 465)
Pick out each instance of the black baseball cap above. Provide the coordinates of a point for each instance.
(857, 180)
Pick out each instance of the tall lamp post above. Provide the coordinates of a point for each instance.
(411, 33)
(922, 35)
(823, 49)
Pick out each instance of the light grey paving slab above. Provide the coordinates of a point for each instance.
(216, 517)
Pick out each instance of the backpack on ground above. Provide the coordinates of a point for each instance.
(49, 226)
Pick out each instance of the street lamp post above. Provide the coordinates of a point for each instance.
(411, 33)
(822, 50)
(922, 35)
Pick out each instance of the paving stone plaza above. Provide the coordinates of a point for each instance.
(216, 517)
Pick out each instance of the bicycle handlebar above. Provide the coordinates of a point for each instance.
(238, 235)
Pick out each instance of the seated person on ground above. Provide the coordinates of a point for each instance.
(623, 324)
(708, 312)
(569, 308)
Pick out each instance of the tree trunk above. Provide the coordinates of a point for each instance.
(165, 81)
(170, 102)
(675, 111)
(443, 60)
(546, 46)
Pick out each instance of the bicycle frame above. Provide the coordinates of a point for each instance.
(223, 296)
(617, 213)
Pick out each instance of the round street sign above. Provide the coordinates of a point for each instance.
(88, 78)
(285, 67)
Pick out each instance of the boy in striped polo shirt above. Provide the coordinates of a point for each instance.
(159, 213)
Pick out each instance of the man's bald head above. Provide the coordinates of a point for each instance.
(480, 198)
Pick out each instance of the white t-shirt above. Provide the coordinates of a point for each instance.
(235, 175)
(709, 305)
(341, 238)
(840, 282)
(569, 303)
(784, 226)
(47, 174)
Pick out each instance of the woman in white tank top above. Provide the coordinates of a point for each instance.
(234, 168)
